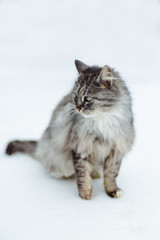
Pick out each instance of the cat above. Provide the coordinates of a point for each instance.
(91, 129)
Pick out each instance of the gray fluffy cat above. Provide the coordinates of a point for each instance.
(92, 127)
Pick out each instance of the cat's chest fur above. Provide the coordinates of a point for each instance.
(105, 125)
(97, 135)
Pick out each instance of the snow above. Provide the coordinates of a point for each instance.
(39, 42)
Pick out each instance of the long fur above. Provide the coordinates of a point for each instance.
(98, 134)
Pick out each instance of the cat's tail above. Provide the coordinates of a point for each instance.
(28, 147)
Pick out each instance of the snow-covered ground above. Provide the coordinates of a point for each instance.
(39, 41)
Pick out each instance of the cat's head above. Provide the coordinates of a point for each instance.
(96, 89)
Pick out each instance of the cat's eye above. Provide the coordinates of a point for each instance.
(88, 99)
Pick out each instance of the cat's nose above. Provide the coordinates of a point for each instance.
(78, 107)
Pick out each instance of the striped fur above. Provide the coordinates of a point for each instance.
(84, 137)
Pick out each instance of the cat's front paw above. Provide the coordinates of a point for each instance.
(116, 193)
(85, 194)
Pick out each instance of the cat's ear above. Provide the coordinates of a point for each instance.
(106, 77)
(81, 67)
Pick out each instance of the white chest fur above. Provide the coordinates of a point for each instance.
(108, 126)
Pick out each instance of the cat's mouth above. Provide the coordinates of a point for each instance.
(84, 114)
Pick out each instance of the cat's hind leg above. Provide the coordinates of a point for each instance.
(95, 174)
(59, 164)
(57, 173)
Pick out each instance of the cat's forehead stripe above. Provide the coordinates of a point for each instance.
(82, 89)
(81, 85)
(84, 83)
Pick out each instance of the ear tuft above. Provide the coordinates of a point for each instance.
(81, 67)
(106, 77)
(106, 72)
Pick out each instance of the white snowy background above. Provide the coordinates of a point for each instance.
(39, 41)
